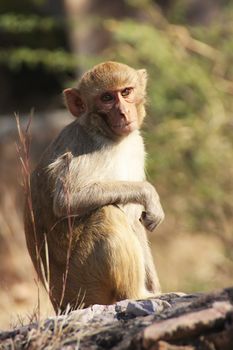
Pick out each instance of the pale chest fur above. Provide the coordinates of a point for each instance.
(121, 162)
(124, 162)
(127, 160)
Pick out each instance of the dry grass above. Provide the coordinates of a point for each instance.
(42, 267)
(22, 299)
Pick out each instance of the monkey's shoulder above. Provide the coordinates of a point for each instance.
(73, 138)
(71, 142)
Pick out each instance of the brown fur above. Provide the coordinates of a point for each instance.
(88, 195)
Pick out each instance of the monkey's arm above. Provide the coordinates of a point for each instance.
(73, 195)
(98, 194)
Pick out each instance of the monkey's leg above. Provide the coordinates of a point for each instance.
(152, 280)
(108, 265)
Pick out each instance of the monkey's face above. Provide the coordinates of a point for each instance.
(118, 111)
(109, 99)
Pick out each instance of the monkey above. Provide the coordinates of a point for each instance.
(91, 203)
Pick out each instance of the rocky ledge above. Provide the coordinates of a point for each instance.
(173, 321)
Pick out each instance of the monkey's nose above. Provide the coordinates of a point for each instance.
(123, 114)
(123, 111)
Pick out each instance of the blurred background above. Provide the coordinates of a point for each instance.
(187, 48)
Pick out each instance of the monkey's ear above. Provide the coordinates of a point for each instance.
(142, 77)
(74, 102)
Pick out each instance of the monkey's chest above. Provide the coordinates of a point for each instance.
(115, 166)
(126, 169)
(125, 163)
(127, 166)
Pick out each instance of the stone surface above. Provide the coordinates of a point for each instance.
(172, 321)
(189, 325)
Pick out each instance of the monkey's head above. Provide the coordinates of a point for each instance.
(110, 99)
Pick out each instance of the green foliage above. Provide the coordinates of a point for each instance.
(33, 40)
(19, 23)
(52, 60)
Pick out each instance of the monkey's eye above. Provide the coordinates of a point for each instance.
(126, 92)
(107, 97)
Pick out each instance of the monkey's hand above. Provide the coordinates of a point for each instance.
(153, 214)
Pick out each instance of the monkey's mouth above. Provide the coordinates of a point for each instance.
(120, 128)
(124, 128)
(122, 125)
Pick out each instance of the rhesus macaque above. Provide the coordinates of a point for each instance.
(91, 201)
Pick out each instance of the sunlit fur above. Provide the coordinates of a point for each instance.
(99, 183)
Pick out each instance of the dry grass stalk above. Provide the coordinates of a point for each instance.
(23, 150)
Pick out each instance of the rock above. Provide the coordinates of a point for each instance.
(188, 326)
(172, 321)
